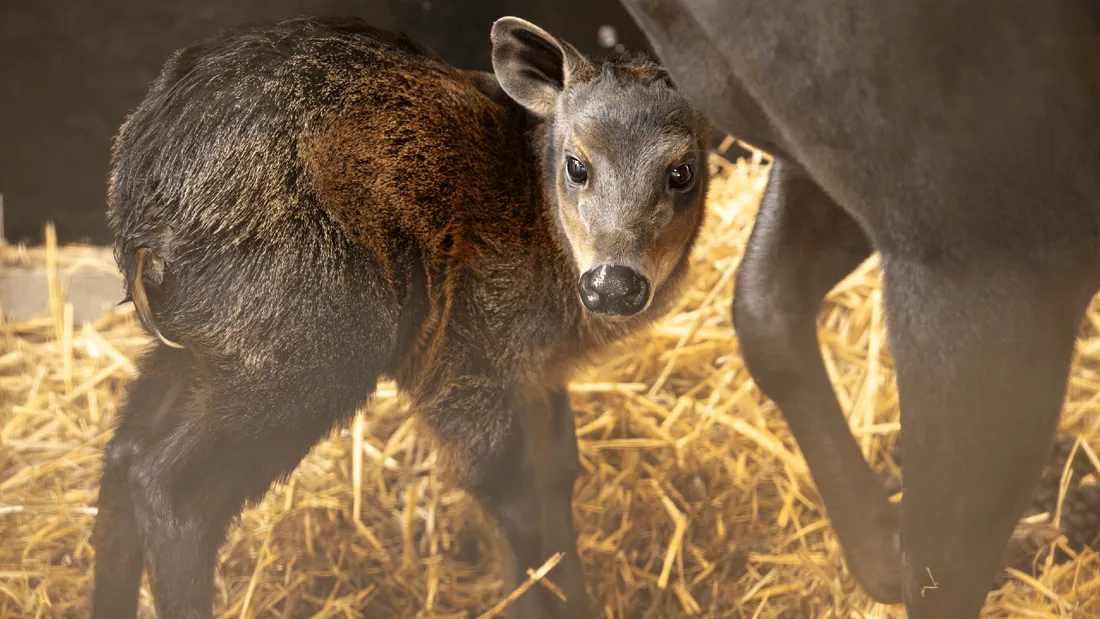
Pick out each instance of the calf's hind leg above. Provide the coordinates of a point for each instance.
(191, 467)
(118, 562)
(801, 246)
(982, 356)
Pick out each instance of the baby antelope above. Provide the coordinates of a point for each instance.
(302, 208)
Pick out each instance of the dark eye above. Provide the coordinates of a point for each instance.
(680, 177)
(575, 170)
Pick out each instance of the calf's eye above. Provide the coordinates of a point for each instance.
(575, 170)
(680, 178)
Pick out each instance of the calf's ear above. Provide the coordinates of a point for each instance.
(533, 66)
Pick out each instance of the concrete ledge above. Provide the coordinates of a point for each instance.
(88, 276)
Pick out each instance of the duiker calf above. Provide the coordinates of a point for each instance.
(303, 207)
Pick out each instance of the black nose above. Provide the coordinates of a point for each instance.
(615, 290)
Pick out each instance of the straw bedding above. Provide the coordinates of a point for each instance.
(693, 500)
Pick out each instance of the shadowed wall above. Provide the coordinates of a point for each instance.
(70, 71)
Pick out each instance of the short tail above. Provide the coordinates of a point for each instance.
(141, 299)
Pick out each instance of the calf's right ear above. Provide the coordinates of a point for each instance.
(533, 66)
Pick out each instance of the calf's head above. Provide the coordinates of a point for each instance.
(623, 159)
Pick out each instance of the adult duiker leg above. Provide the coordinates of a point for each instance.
(982, 354)
(801, 246)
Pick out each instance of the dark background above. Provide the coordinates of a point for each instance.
(70, 71)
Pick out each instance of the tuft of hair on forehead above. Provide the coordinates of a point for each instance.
(630, 104)
(635, 65)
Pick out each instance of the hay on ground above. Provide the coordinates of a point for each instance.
(693, 501)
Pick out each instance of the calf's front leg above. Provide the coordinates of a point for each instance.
(555, 449)
(486, 434)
